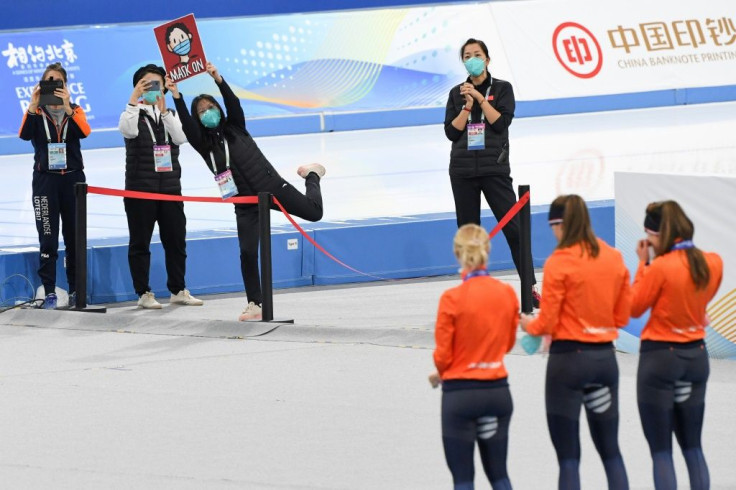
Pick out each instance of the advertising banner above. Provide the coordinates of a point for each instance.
(346, 61)
(568, 49)
(387, 59)
(181, 48)
(710, 216)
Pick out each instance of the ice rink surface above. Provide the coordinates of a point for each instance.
(187, 398)
(403, 171)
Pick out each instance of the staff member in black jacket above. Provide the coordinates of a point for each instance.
(477, 119)
(241, 169)
(153, 134)
(55, 132)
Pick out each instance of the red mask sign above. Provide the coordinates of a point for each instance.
(181, 48)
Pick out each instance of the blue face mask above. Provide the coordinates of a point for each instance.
(150, 97)
(475, 66)
(210, 118)
(183, 48)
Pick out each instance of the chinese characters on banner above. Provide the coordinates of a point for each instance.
(659, 36)
(23, 55)
(661, 40)
(26, 63)
(645, 44)
(181, 48)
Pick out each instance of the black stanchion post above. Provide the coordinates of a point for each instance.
(264, 230)
(80, 253)
(264, 226)
(525, 252)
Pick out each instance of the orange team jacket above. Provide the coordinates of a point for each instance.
(476, 326)
(678, 309)
(584, 299)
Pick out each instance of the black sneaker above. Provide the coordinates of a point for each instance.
(73, 300)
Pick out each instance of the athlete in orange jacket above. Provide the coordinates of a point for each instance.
(673, 362)
(586, 298)
(472, 339)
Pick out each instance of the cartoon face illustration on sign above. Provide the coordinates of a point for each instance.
(179, 41)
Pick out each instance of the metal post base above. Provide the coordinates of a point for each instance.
(86, 309)
(268, 321)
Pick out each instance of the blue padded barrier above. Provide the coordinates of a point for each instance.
(397, 247)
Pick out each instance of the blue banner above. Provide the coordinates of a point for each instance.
(282, 65)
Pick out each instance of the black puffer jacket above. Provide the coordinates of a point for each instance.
(140, 171)
(478, 163)
(252, 172)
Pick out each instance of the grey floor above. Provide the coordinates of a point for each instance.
(188, 398)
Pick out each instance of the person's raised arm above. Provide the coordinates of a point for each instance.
(235, 114)
(26, 127)
(78, 125)
(648, 282)
(190, 127)
(171, 121)
(128, 123)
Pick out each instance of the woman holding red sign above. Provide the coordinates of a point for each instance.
(241, 169)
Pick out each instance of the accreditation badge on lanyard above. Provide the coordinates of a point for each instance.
(476, 136)
(477, 131)
(225, 181)
(161, 153)
(56, 151)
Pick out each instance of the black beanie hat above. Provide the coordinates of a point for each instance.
(151, 68)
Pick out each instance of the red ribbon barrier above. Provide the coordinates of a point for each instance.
(319, 247)
(510, 215)
(254, 200)
(168, 197)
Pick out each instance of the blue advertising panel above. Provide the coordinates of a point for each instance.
(282, 65)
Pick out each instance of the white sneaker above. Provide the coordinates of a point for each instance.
(305, 170)
(251, 312)
(183, 297)
(148, 300)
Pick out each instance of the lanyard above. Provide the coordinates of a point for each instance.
(153, 136)
(48, 133)
(685, 244)
(482, 115)
(227, 158)
(475, 273)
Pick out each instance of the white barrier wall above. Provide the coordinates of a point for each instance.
(708, 202)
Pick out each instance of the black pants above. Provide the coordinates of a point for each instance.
(308, 207)
(499, 193)
(142, 215)
(53, 196)
(479, 415)
(670, 386)
(584, 374)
